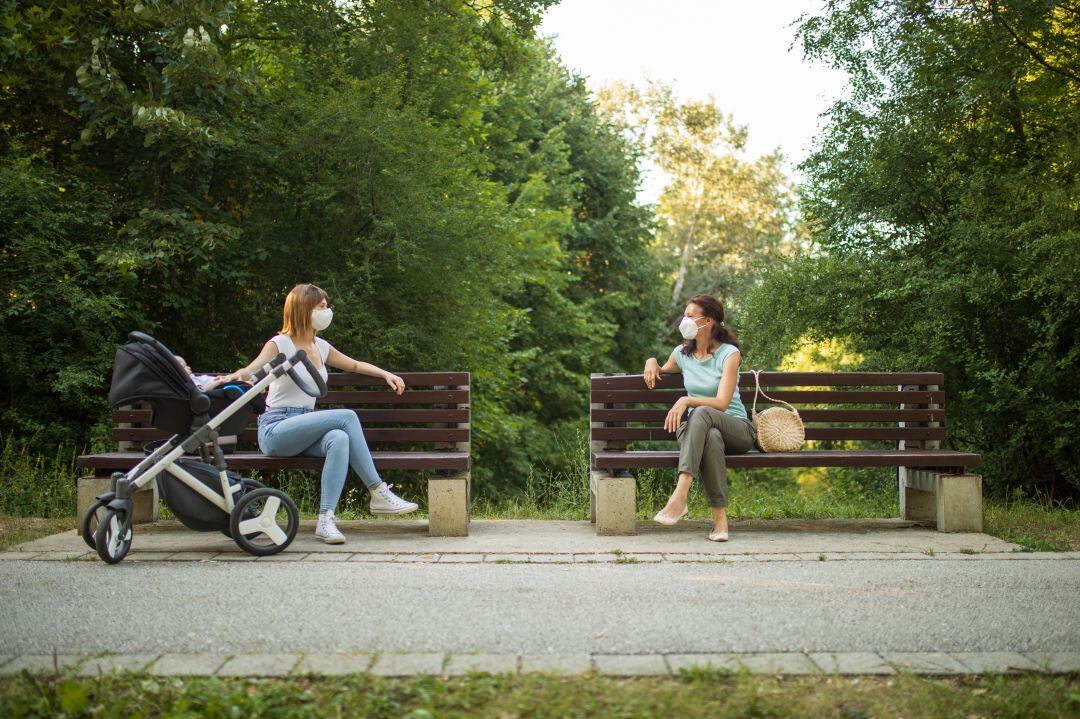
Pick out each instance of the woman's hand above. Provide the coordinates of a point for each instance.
(237, 376)
(652, 372)
(674, 415)
(396, 383)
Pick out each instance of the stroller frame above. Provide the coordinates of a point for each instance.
(112, 537)
(163, 458)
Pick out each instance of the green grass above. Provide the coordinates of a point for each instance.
(1041, 524)
(16, 530)
(33, 485)
(697, 694)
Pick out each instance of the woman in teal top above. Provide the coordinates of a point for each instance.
(711, 420)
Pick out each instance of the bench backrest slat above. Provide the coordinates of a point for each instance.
(438, 413)
(667, 396)
(624, 410)
(786, 379)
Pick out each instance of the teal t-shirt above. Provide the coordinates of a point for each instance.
(702, 377)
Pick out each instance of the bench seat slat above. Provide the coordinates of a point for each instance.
(786, 379)
(255, 460)
(611, 459)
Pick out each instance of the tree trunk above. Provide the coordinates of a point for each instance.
(687, 253)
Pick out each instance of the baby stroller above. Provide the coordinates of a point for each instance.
(202, 493)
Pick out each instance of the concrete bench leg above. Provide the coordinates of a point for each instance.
(959, 503)
(951, 501)
(144, 502)
(616, 505)
(448, 505)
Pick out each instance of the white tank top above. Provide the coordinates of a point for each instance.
(283, 391)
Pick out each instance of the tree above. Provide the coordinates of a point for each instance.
(943, 198)
(430, 164)
(722, 220)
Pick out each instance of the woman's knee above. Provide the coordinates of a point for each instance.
(697, 418)
(705, 415)
(336, 440)
(349, 420)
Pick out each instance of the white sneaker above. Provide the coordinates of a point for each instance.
(383, 501)
(327, 530)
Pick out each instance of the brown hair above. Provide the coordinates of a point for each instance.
(712, 308)
(301, 300)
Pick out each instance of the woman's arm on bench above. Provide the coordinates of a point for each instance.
(653, 369)
(345, 363)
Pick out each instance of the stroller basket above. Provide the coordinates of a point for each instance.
(190, 507)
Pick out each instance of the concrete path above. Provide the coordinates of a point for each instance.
(514, 537)
(781, 597)
(623, 665)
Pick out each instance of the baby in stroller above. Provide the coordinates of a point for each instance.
(205, 382)
(202, 493)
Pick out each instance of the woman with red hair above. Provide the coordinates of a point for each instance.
(292, 426)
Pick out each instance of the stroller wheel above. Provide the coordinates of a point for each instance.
(264, 521)
(250, 485)
(89, 522)
(113, 538)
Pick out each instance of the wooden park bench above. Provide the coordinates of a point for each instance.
(432, 423)
(903, 407)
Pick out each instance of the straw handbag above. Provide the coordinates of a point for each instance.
(778, 429)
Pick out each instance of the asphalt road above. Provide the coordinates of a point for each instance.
(873, 605)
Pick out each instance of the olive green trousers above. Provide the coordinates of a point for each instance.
(704, 438)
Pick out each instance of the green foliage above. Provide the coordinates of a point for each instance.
(176, 167)
(34, 485)
(589, 293)
(945, 203)
(723, 221)
(58, 302)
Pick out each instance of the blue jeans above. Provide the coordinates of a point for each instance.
(331, 433)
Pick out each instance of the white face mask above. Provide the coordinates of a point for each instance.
(321, 319)
(688, 328)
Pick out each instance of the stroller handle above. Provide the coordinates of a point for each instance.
(305, 387)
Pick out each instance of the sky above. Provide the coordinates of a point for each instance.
(735, 50)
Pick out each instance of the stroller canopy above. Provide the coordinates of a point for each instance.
(147, 370)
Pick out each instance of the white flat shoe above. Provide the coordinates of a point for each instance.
(662, 518)
(718, 536)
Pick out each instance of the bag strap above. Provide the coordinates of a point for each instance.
(758, 390)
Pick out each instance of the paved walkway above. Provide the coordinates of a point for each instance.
(624, 665)
(781, 597)
(550, 540)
